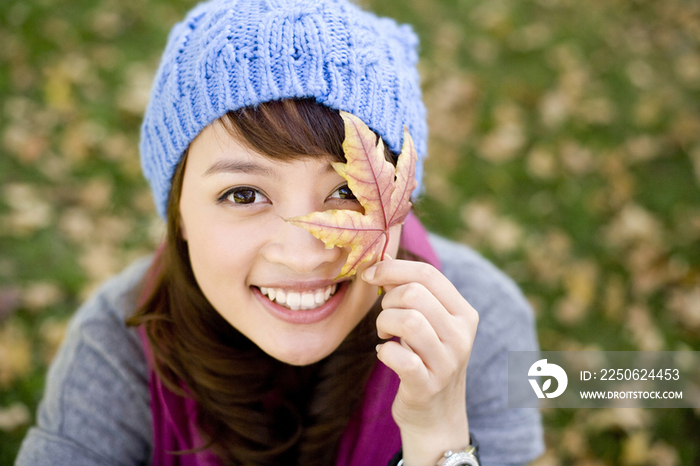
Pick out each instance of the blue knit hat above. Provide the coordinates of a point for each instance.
(228, 54)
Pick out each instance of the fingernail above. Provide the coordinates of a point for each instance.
(379, 346)
(368, 274)
(388, 257)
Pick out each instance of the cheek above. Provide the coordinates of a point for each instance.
(394, 239)
(221, 254)
(221, 266)
(215, 240)
(220, 248)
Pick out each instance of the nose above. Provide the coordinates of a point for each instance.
(301, 252)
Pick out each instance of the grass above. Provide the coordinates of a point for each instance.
(565, 147)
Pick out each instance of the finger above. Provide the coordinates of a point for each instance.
(397, 272)
(416, 296)
(407, 364)
(387, 288)
(418, 336)
(453, 335)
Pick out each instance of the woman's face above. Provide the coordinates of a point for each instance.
(271, 280)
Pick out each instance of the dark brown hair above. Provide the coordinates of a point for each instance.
(252, 408)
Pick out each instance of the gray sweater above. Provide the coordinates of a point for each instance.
(96, 411)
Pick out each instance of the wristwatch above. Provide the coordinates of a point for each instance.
(466, 457)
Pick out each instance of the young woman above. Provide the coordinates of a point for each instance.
(236, 343)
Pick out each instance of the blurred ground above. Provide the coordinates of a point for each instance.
(565, 146)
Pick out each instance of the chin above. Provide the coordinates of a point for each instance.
(298, 356)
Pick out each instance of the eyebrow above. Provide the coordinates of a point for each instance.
(238, 166)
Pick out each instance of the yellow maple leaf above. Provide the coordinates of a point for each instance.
(383, 190)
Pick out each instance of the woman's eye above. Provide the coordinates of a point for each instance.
(244, 195)
(343, 192)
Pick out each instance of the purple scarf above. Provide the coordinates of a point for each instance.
(370, 439)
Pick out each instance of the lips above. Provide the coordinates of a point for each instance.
(318, 313)
(299, 300)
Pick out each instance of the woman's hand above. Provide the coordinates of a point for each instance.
(436, 328)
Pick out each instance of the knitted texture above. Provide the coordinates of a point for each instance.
(228, 54)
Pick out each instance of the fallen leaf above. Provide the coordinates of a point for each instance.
(644, 330)
(549, 458)
(554, 108)
(541, 164)
(52, 333)
(30, 211)
(15, 354)
(99, 261)
(688, 69)
(574, 442)
(14, 416)
(134, 95)
(576, 158)
(10, 301)
(635, 449)
(633, 224)
(382, 189)
(663, 454)
(684, 305)
(502, 144)
(41, 295)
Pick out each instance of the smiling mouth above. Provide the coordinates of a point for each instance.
(296, 300)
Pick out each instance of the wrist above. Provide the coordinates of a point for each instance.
(427, 448)
(468, 456)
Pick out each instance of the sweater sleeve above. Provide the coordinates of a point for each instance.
(506, 323)
(95, 409)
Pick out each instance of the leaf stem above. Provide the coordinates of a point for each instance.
(386, 243)
(380, 290)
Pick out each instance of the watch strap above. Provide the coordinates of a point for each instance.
(471, 453)
(465, 457)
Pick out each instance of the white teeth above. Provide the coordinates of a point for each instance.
(307, 300)
(295, 300)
